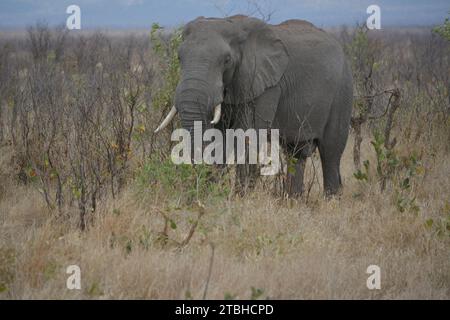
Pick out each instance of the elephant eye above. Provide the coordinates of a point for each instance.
(227, 59)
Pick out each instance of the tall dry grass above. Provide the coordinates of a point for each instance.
(288, 249)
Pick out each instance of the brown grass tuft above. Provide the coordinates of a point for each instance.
(289, 249)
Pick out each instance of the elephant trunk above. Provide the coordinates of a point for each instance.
(194, 103)
(199, 91)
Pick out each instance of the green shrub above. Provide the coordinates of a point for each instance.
(167, 52)
(444, 29)
(400, 172)
(182, 184)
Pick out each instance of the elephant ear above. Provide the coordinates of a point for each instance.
(263, 63)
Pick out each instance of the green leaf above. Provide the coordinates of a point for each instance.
(229, 296)
(405, 184)
(256, 293)
(95, 290)
(376, 66)
(129, 246)
(360, 175)
(188, 295)
(366, 164)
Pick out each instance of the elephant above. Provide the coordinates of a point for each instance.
(242, 72)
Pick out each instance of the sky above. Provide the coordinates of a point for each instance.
(169, 13)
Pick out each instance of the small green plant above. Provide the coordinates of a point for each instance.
(441, 225)
(387, 160)
(188, 295)
(400, 171)
(183, 184)
(128, 246)
(363, 175)
(180, 186)
(50, 270)
(95, 290)
(291, 165)
(256, 293)
(145, 238)
(229, 296)
(405, 197)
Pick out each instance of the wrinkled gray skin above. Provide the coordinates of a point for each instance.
(292, 76)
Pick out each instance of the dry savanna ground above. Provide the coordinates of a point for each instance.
(281, 249)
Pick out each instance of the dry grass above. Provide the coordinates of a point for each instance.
(310, 250)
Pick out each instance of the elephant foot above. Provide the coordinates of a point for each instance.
(293, 189)
(331, 193)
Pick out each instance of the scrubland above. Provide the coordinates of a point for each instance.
(84, 181)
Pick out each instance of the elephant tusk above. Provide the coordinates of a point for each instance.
(217, 113)
(167, 120)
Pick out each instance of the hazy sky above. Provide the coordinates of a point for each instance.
(142, 13)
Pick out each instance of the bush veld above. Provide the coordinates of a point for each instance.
(85, 181)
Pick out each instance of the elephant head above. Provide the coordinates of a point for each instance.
(230, 61)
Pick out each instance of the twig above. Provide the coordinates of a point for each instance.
(211, 261)
(165, 233)
(390, 119)
(194, 225)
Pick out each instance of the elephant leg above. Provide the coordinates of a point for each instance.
(294, 178)
(259, 114)
(330, 158)
(332, 144)
(246, 174)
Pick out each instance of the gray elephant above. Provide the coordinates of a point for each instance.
(242, 72)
